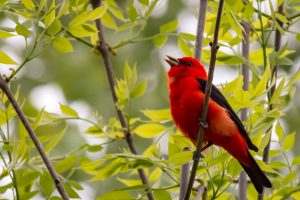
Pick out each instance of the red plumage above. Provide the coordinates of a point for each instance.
(187, 82)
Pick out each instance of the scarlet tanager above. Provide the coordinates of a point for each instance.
(187, 80)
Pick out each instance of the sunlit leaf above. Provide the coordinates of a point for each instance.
(162, 115)
(4, 34)
(28, 4)
(5, 59)
(149, 130)
(139, 89)
(169, 26)
(181, 157)
(22, 30)
(162, 195)
(65, 164)
(288, 142)
(160, 40)
(63, 45)
(68, 110)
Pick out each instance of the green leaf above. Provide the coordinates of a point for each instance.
(296, 161)
(28, 4)
(65, 164)
(265, 140)
(71, 192)
(46, 183)
(155, 175)
(4, 34)
(260, 88)
(139, 89)
(160, 40)
(54, 27)
(162, 115)
(22, 30)
(116, 195)
(162, 195)
(266, 167)
(3, 188)
(279, 131)
(63, 9)
(5, 59)
(95, 148)
(68, 110)
(50, 17)
(28, 195)
(289, 178)
(186, 50)
(108, 169)
(91, 15)
(41, 5)
(169, 26)
(248, 11)
(55, 140)
(181, 158)
(288, 142)
(108, 21)
(144, 2)
(132, 13)
(149, 130)
(63, 45)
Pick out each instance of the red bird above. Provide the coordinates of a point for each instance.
(187, 82)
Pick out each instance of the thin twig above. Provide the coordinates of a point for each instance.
(200, 29)
(273, 88)
(60, 187)
(108, 67)
(203, 124)
(244, 112)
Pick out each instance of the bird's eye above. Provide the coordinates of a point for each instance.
(189, 63)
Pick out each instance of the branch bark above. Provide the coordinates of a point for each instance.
(58, 184)
(244, 112)
(203, 124)
(184, 176)
(200, 29)
(102, 47)
(273, 88)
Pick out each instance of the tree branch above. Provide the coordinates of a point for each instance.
(244, 112)
(273, 88)
(203, 124)
(108, 67)
(184, 176)
(200, 29)
(59, 185)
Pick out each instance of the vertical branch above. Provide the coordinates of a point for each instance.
(58, 184)
(272, 83)
(200, 29)
(184, 176)
(244, 112)
(202, 123)
(102, 47)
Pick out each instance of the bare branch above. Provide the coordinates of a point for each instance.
(200, 29)
(273, 87)
(58, 184)
(244, 112)
(184, 176)
(203, 124)
(102, 47)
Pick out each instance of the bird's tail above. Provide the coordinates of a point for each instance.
(257, 176)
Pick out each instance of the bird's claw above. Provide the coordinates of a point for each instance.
(203, 124)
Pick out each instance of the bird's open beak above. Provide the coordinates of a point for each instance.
(172, 61)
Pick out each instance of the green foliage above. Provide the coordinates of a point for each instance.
(64, 25)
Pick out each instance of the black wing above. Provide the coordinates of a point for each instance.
(218, 97)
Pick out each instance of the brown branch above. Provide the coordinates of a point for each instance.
(59, 185)
(200, 29)
(102, 47)
(203, 124)
(244, 112)
(273, 88)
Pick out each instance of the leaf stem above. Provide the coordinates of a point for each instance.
(214, 50)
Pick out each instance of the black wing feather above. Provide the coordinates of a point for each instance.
(218, 97)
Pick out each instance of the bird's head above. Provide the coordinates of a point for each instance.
(186, 66)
